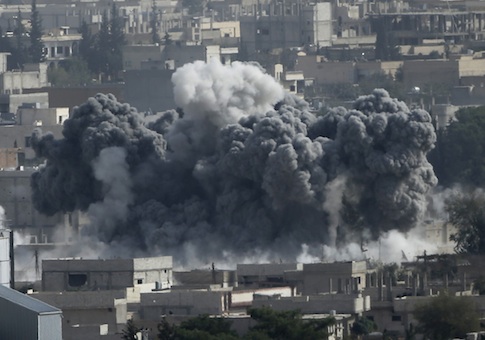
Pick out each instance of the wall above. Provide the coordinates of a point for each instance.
(133, 55)
(153, 269)
(344, 277)
(149, 90)
(182, 303)
(326, 73)
(342, 303)
(70, 275)
(23, 317)
(88, 308)
(427, 72)
(15, 197)
(41, 117)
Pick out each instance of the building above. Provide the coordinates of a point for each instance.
(112, 274)
(26, 318)
(89, 315)
(340, 277)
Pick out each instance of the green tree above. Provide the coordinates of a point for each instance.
(86, 49)
(467, 213)
(130, 331)
(479, 285)
(446, 317)
(116, 42)
(286, 325)
(36, 48)
(19, 53)
(459, 155)
(72, 72)
(363, 326)
(102, 47)
(199, 328)
(154, 22)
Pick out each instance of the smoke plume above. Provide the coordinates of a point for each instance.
(240, 168)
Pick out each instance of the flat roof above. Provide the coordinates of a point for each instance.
(27, 301)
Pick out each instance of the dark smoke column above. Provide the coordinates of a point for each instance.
(236, 173)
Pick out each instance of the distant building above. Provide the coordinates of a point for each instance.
(111, 274)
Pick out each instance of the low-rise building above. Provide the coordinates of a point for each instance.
(111, 274)
(24, 317)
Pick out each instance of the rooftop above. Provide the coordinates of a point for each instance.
(27, 301)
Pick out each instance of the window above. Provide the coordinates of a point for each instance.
(27, 141)
(139, 281)
(396, 318)
(77, 280)
(59, 49)
(292, 88)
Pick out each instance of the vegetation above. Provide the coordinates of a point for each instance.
(459, 155)
(287, 325)
(129, 333)
(72, 72)
(467, 213)
(363, 326)
(270, 325)
(446, 317)
(36, 48)
(103, 52)
(154, 23)
(201, 327)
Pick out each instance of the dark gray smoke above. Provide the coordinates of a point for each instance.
(232, 172)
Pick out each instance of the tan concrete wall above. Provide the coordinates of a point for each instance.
(326, 73)
(424, 72)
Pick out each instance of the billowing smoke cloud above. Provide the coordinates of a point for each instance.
(240, 168)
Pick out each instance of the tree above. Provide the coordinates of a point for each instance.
(116, 42)
(446, 317)
(130, 331)
(363, 326)
(19, 54)
(459, 155)
(202, 327)
(87, 47)
(467, 213)
(72, 72)
(102, 47)
(154, 24)
(286, 325)
(36, 48)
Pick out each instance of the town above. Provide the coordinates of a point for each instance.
(235, 164)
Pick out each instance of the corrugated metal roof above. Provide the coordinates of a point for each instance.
(27, 301)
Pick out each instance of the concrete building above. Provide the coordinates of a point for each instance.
(84, 275)
(354, 304)
(292, 81)
(32, 76)
(282, 26)
(149, 90)
(60, 44)
(340, 277)
(265, 274)
(35, 117)
(205, 278)
(15, 198)
(89, 315)
(187, 302)
(26, 318)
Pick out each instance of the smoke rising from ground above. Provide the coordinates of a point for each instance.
(240, 168)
